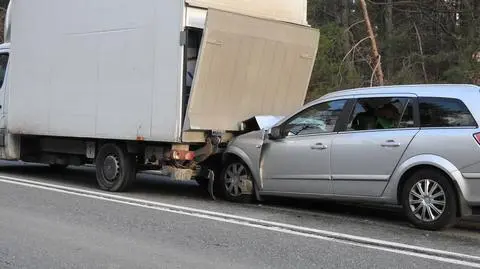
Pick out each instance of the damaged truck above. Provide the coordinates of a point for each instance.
(143, 85)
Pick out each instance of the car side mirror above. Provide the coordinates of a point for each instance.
(275, 133)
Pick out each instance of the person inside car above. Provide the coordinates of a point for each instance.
(387, 117)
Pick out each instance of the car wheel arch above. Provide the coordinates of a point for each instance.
(415, 168)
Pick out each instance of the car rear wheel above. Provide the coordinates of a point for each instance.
(237, 182)
(115, 168)
(429, 200)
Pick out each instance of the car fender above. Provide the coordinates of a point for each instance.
(439, 162)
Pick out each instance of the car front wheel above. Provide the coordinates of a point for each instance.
(429, 200)
(237, 182)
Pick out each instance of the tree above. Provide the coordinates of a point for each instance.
(377, 60)
(419, 40)
(435, 41)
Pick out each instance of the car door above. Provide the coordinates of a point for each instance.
(366, 152)
(299, 162)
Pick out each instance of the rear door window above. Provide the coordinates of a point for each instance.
(377, 113)
(444, 112)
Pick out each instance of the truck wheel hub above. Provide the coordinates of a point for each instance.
(111, 168)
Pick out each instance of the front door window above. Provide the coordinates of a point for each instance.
(318, 119)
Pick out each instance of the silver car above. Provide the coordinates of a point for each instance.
(416, 146)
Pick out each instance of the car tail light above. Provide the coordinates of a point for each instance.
(477, 137)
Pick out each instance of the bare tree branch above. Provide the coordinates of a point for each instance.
(375, 71)
(346, 56)
(376, 55)
(351, 26)
(420, 47)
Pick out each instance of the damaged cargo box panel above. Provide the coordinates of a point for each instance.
(249, 66)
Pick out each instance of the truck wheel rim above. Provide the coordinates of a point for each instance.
(427, 200)
(235, 177)
(111, 168)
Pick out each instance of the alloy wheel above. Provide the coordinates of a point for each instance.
(427, 200)
(236, 179)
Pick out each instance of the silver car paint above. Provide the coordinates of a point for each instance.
(248, 148)
(298, 164)
(455, 145)
(362, 162)
(391, 191)
(453, 150)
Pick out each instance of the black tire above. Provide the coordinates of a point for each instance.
(116, 169)
(434, 220)
(243, 190)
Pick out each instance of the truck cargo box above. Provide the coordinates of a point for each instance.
(114, 69)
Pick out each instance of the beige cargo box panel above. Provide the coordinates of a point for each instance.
(249, 66)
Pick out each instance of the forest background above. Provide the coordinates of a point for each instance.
(419, 41)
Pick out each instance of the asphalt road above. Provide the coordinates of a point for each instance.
(61, 220)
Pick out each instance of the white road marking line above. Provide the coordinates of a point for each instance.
(365, 242)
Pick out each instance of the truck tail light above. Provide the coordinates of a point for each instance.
(477, 137)
(182, 155)
(190, 155)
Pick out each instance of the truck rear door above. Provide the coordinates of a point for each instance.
(249, 66)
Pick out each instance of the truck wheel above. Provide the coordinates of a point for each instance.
(237, 182)
(429, 200)
(115, 168)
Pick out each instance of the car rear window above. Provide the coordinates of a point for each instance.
(444, 112)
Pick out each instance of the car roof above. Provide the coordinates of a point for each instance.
(425, 90)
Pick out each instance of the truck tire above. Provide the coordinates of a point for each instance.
(236, 182)
(429, 200)
(116, 169)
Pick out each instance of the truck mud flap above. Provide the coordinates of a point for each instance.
(211, 184)
(210, 175)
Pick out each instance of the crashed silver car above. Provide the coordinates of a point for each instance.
(416, 146)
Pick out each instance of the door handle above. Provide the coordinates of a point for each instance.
(319, 146)
(390, 144)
